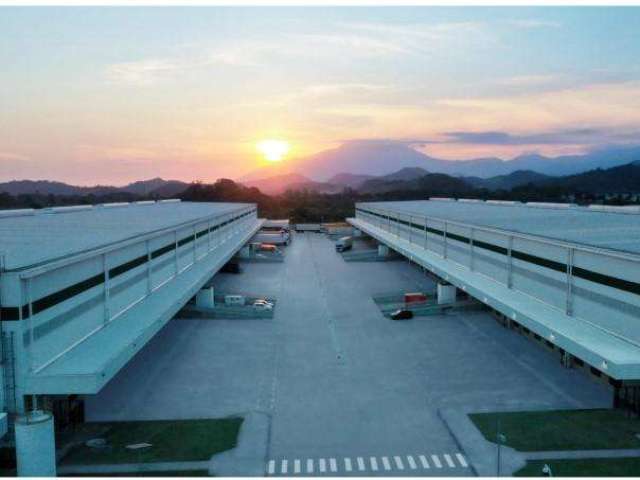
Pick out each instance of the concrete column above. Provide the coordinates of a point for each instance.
(205, 298)
(446, 293)
(357, 232)
(383, 250)
(567, 360)
(245, 252)
(35, 445)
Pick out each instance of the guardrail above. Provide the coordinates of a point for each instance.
(155, 267)
(574, 266)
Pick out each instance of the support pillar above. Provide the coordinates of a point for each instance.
(567, 360)
(446, 293)
(357, 232)
(383, 250)
(245, 252)
(205, 298)
(35, 444)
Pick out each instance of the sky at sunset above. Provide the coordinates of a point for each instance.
(111, 95)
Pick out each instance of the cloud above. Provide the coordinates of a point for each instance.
(534, 23)
(151, 71)
(560, 137)
(380, 39)
(13, 157)
(141, 73)
(577, 136)
(529, 80)
(358, 39)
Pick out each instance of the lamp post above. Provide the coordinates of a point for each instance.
(501, 438)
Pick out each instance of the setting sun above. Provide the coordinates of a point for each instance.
(273, 150)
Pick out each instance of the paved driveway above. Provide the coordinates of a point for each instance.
(349, 391)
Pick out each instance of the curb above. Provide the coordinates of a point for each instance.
(481, 453)
(249, 457)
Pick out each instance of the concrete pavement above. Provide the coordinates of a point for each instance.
(339, 380)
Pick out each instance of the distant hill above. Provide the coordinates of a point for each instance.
(623, 179)
(154, 187)
(615, 180)
(507, 182)
(379, 157)
(350, 180)
(407, 173)
(434, 183)
(46, 187)
(290, 181)
(402, 179)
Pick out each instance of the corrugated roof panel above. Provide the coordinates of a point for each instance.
(40, 237)
(605, 229)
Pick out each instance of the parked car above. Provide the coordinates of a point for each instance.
(402, 315)
(345, 243)
(231, 267)
(262, 305)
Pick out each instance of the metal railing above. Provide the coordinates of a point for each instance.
(215, 238)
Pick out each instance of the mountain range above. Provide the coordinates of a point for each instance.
(618, 179)
(365, 158)
(155, 187)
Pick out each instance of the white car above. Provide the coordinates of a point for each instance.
(263, 304)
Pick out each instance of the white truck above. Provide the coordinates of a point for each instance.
(344, 243)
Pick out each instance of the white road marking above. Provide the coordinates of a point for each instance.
(388, 463)
(447, 458)
(462, 460)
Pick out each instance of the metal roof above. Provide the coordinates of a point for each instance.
(32, 237)
(582, 225)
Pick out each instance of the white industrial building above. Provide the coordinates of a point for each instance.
(567, 275)
(83, 289)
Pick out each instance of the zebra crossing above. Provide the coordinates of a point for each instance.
(333, 466)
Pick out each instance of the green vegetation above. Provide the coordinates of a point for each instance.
(588, 467)
(171, 440)
(561, 429)
(176, 473)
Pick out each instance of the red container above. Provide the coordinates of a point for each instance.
(414, 297)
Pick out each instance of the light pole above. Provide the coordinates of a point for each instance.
(501, 438)
(546, 470)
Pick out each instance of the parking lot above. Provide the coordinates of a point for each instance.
(339, 380)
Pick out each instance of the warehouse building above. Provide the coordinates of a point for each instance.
(83, 289)
(568, 276)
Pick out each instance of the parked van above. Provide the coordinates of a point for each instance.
(345, 243)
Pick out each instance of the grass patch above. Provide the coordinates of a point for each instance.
(172, 441)
(588, 467)
(176, 473)
(561, 429)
